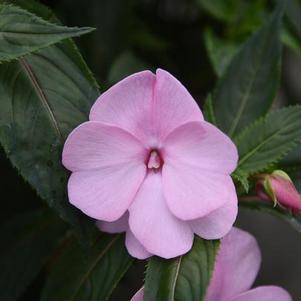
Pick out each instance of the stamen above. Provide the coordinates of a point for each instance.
(154, 160)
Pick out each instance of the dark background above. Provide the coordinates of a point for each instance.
(133, 35)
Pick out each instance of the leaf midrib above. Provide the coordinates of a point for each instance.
(93, 265)
(255, 149)
(179, 262)
(247, 95)
(41, 95)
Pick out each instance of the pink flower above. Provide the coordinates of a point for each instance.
(235, 270)
(148, 156)
(279, 188)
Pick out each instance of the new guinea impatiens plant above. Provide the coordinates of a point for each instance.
(147, 136)
(146, 173)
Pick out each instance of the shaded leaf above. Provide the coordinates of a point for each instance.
(220, 51)
(182, 278)
(247, 89)
(42, 98)
(88, 276)
(221, 10)
(268, 140)
(27, 242)
(22, 32)
(126, 64)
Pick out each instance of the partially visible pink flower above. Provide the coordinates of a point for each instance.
(279, 188)
(235, 270)
(148, 161)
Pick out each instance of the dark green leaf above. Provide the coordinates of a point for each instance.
(293, 219)
(208, 110)
(126, 64)
(221, 10)
(93, 276)
(27, 242)
(293, 13)
(248, 87)
(182, 278)
(22, 32)
(42, 98)
(220, 51)
(270, 138)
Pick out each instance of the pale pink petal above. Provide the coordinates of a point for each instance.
(93, 145)
(118, 226)
(219, 222)
(191, 192)
(201, 144)
(152, 223)
(128, 104)
(134, 247)
(236, 266)
(174, 105)
(106, 193)
(264, 293)
(139, 295)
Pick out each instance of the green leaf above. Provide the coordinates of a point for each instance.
(221, 10)
(126, 64)
(291, 40)
(242, 179)
(27, 242)
(22, 32)
(247, 89)
(43, 96)
(220, 51)
(268, 140)
(92, 276)
(182, 278)
(293, 13)
(293, 219)
(208, 110)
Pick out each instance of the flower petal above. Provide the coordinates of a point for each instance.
(201, 144)
(139, 295)
(173, 105)
(192, 193)
(152, 223)
(264, 293)
(118, 226)
(93, 145)
(106, 193)
(134, 247)
(128, 104)
(236, 266)
(219, 222)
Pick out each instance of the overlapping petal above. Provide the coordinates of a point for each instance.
(106, 193)
(264, 293)
(147, 105)
(191, 192)
(219, 222)
(160, 232)
(94, 145)
(118, 226)
(173, 104)
(201, 144)
(128, 105)
(236, 266)
(134, 247)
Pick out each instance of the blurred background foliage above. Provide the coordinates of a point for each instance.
(194, 40)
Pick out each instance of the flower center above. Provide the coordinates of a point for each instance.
(154, 160)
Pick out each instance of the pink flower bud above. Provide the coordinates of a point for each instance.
(279, 188)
